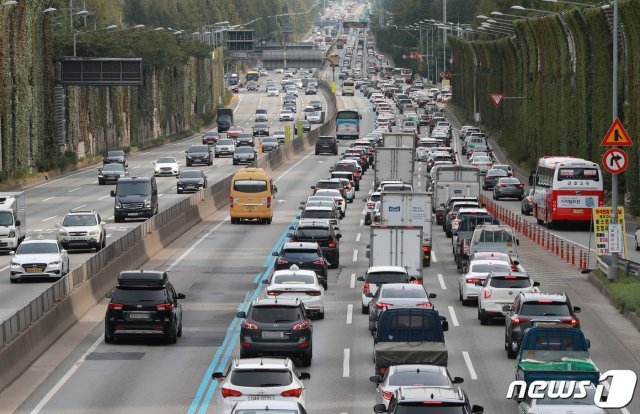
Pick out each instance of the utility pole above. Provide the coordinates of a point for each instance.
(444, 38)
(613, 269)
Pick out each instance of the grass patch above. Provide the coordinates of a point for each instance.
(625, 290)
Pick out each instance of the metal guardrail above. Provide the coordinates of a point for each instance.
(218, 192)
(629, 267)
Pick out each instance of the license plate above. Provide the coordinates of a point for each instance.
(577, 211)
(76, 238)
(248, 208)
(272, 335)
(260, 397)
(138, 315)
(133, 214)
(34, 270)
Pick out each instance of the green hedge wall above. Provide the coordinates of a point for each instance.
(561, 64)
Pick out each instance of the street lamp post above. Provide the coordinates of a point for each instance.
(613, 269)
(76, 34)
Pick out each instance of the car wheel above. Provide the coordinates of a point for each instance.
(482, 317)
(100, 182)
(104, 242)
(365, 310)
(179, 191)
(188, 164)
(511, 354)
(179, 333)
(317, 153)
(118, 219)
(234, 162)
(320, 315)
(637, 245)
(216, 155)
(14, 280)
(306, 359)
(108, 339)
(172, 337)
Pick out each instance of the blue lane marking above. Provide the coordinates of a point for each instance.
(232, 331)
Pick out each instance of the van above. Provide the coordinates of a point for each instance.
(348, 88)
(251, 196)
(135, 197)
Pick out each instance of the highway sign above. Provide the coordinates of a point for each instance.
(496, 98)
(601, 223)
(615, 160)
(616, 136)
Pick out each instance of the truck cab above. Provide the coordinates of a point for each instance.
(13, 220)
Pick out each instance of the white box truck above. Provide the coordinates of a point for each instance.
(399, 140)
(394, 164)
(396, 246)
(404, 208)
(453, 181)
(13, 220)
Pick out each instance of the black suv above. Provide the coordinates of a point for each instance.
(429, 400)
(199, 154)
(321, 232)
(245, 140)
(261, 130)
(276, 327)
(115, 156)
(531, 309)
(327, 143)
(144, 303)
(306, 255)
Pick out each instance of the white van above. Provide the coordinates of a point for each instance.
(348, 88)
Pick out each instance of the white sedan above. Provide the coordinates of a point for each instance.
(286, 116)
(166, 166)
(298, 284)
(39, 258)
(478, 271)
(314, 117)
(272, 91)
(340, 201)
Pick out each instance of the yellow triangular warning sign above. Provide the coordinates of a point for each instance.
(617, 136)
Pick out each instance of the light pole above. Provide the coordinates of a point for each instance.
(571, 2)
(76, 34)
(532, 10)
(444, 37)
(613, 269)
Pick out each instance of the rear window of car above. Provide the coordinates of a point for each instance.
(313, 233)
(300, 254)
(387, 277)
(542, 308)
(416, 378)
(138, 295)
(294, 279)
(332, 185)
(396, 293)
(261, 378)
(320, 214)
(494, 236)
(486, 267)
(250, 186)
(275, 314)
(327, 139)
(510, 282)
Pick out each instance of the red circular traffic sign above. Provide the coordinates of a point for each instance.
(615, 160)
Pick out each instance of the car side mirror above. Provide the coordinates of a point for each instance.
(588, 343)
(516, 263)
(376, 379)
(379, 408)
(360, 279)
(304, 376)
(338, 236)
(109, 294)
(63, 251)
(217, 376)
(102, 223)
(457, 380)
(18, 223)
(265, 282)
(55, 225)
(368, 294)
(536, 284)
(112, 193)
(241, 315)
(445, 325)
(576, 309)
(298, 216)
(181, 296)
(11, 252)
(275, 254)
(477, 409)
(517, 242)
(506, 308)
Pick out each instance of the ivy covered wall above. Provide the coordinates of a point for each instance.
(561, 67)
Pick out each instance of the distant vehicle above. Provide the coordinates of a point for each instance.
(224, 119)
(191, 180)
(348, 124)
(116, 156)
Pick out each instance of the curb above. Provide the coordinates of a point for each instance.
(602, 288)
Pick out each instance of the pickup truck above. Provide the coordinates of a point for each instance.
(409, 336)
(555, 353)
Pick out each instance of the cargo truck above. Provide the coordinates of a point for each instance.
(451, 181)
(394, 164)
(403, 208)
(399, 140)
(396, 246)
(224, 119)
(13, 220)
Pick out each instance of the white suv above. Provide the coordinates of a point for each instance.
(251, 379)
(82, 229)
(501, 289)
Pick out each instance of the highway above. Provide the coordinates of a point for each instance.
(47, 203)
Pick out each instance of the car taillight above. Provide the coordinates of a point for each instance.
(472, 280)
(319, 261)
(518, 320)
(520, 185)
(332, 243)
(231, 202)
(115, 306)
(268, 201)
(366, 288)
(273, 292)
(530, 199)
(428, 305)
(475, 164)
(371, 204)
(228, 392)
(487, 293)
(296, 392)
(249, 325)
(300, 326)
(313, 292)
(570, 321)
(281, 261)
(499, 185)
(383, 305)
(387, 395)
(554, 205)
(164, 306)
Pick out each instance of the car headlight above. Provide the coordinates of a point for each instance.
(12, 233)
(54, 264)
(118, 204)
(100, 174)
(62, 232)
(147, 203)
(15, 264)
(94, 232)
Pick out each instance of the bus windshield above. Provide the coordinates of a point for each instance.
(252, 76)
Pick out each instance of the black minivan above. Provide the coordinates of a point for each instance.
(136, 197)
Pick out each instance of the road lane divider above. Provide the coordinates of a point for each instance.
(345, 362)
(352, 284)
(454, 318)
(349, 313)
(467, 361)
(355, 255)
(441, 280)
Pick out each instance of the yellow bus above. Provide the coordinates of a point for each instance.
(251, 196)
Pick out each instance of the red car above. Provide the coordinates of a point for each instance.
(234, 131)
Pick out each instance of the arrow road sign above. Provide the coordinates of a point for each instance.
(615, 161)
(496, 98)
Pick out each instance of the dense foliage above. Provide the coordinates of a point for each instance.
(561, 65)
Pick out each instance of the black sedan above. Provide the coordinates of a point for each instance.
(110, 173)
(191, 180)
(526, 206)
(244, 155)
(244, 140)
(198, 154)
(270, 144)
(305, 255)
(492, 177)
(508, 187)
(261, 130)
(119, 157)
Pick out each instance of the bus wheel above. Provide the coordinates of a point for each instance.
(549, 224)
(535, 213)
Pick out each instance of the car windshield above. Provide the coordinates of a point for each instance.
(115, 154)
(191, 174)
(260, 378)
(225, 142)
(128, 295)
(128, 188)
(294, 279)
(401, 292)
(250, 186)
(37, 248)
(300, 254)
(113, 168)
(490, 267)
(6, 218)
(166, 160)
(211, 134)
(322, 214)
(497, 173)
(199, 148)
(545, 308)
(275, 314)
(244, 150)
(79, 220)
(510, 282)
(387, 277)
(419, 378)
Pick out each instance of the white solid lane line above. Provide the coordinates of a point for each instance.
(433, 257)
(345, 362)
(103, 197)
(49, 198)
(4, 268)
(467, 360)
(352, 284)
(79, 207)
(75, 189)
(441, 280)
(349, 313)
(49, 218)
(355, 255)
(454, 318)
